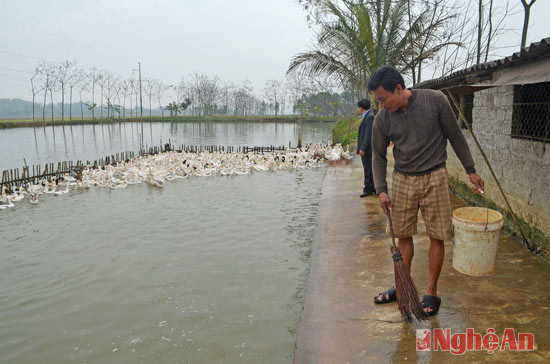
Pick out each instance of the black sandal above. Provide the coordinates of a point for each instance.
(391, 293)
(432, 302)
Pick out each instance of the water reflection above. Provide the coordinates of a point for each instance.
(96, 141)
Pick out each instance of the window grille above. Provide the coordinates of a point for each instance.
(531, 112)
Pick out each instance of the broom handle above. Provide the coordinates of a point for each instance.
(391, 228)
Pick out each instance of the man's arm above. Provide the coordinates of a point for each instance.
(380, 142)
(452, 131)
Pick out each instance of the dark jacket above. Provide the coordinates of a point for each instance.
(365, 133)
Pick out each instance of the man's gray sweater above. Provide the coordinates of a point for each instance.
(419, 136)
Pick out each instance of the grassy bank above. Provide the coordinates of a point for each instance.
(23, 123)
(340, 130)
(536, 238)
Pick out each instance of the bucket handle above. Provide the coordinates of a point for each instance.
(486, 208)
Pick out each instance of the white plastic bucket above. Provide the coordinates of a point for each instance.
(476, 233)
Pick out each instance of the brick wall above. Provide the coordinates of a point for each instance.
(522, 166)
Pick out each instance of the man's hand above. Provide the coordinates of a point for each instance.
(385, 202)
(477, 181)
(362, 153)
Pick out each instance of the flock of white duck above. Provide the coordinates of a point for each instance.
(159, 168)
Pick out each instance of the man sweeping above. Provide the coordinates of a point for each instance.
(419, 123)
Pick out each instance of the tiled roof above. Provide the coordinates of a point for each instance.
(533, 51)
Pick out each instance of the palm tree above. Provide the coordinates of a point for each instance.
(356, 40)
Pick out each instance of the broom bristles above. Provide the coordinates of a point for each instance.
(407, 295)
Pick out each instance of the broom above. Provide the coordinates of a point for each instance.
(407, 295)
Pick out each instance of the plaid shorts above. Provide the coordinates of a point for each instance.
(430, 193)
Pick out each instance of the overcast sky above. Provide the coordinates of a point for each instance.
(236, 39)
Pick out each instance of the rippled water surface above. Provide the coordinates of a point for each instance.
(204, 270)
(89, 142)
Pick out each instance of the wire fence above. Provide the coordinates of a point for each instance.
(531, 112)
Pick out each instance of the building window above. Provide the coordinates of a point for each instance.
(467, 105)
(531, 115)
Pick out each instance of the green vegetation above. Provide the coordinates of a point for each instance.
(175, 107)
(21, 123)
(537, 239)
(341, 129)
(360, 37)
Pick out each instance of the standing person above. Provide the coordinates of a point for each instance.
(364, 147)
(419, 123)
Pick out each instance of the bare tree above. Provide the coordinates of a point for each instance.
(458, 35)
(54, 84)
(294, 84)
(198, 88)
(527, 13)
(34, 88)
(109, 83)
(64, 73)
(300, 86)
(103, 75)
(226, 94)
(84, 86)
(283, 93)
(95, 76)
(273, 90)
(492, 27)
(479, 28)
(432, 18)
(207, 95)
(181, 91)
(243, 96)
(46, 71)
(132, 92)
(471, 36)
(489, 33)
(125, 90)
(211, 93)
(149, 90)
(160, 90)
(203, 91)
(117, 89)
(454, 34)
(76, 78)
(135, 89)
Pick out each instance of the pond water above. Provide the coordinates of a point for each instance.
(204, 270)
(89, 142)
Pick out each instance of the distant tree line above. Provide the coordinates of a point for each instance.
(318, 104)
(18, 108)
(67, 91)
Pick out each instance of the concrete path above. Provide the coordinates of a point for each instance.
(351, 263)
